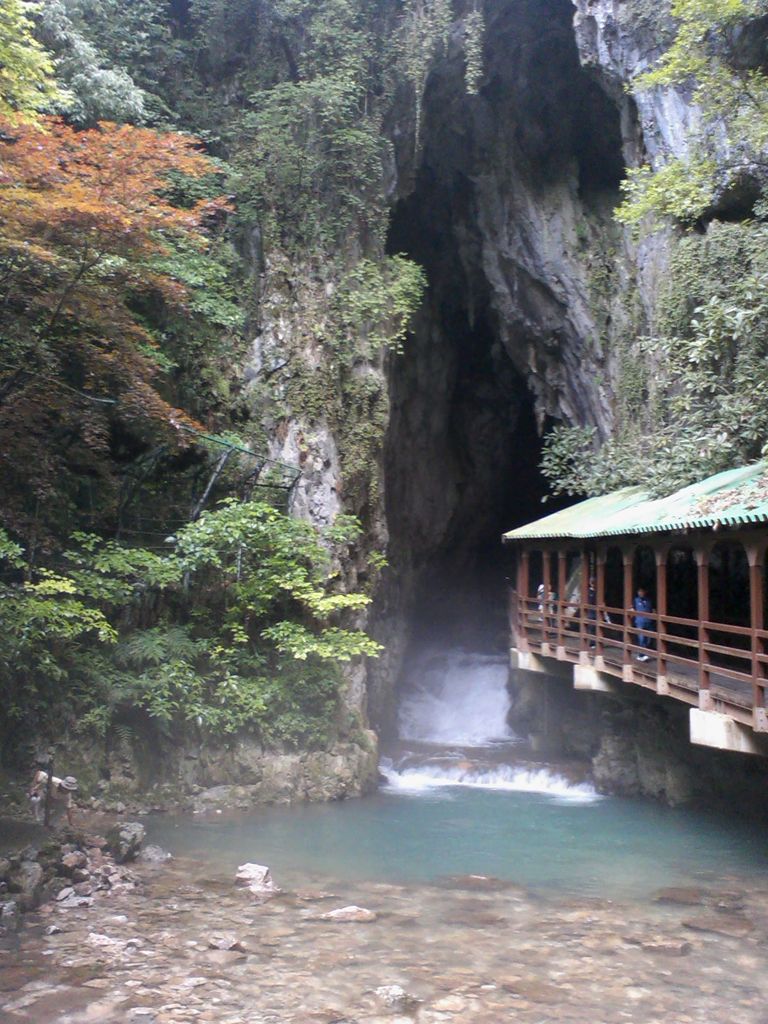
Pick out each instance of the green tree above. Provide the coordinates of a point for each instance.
(237, 625)
(26, 70)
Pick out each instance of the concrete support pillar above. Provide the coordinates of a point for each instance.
(710, 729)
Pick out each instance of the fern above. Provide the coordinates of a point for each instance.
(153, 647)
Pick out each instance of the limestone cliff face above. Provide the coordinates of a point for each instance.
(619, 41)
(506, 200)
(534, 289)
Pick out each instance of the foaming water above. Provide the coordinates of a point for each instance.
(503, 777)
(454, 696)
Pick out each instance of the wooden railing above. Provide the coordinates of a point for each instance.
(715, 665)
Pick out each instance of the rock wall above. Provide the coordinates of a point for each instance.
(142, 771)
(637, 745)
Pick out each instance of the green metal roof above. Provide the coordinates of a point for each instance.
(737, 497)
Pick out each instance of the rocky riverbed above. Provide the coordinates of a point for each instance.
(183, 944)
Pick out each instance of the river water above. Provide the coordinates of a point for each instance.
(503, 889)
(460, 795)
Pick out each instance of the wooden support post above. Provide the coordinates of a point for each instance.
(702, 562)
(524, 574)
(602, 556)
(628, 558)
(755, 557)
(523, 591)
(562, 582)
(660, 554)
(546, 572)
(523, 595)
(583, 600)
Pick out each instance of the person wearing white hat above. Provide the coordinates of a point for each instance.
(61, 793)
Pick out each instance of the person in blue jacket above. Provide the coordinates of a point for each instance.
(642, 603)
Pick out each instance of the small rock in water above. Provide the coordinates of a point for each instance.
(352, 914)
(450, 1004)
(483, 883)
(721, 924)
(659, 944)
(154, 855)
(534, 989)
(101, 941)
(395, 998)
(681, 895)
(257, 879)
(226, 940)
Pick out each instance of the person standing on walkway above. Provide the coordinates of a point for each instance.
(642, 603)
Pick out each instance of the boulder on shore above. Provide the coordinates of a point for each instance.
(124, 840)
(26, 881)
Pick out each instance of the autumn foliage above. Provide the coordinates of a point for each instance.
(82, 215)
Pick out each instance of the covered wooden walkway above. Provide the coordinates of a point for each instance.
(699, 558)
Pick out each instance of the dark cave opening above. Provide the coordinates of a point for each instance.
(466, 425)
(464, 445)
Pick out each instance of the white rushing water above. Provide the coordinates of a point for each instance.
(456, 697)
(417, 779)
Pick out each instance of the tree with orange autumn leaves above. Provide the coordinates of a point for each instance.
(83, 214)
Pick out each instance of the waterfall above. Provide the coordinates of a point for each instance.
(454, 708)
(455, 697)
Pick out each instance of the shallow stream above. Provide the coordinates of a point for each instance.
(500, 890)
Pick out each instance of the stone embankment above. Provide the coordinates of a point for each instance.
(177, 946)
(71, 871)
(204, 778)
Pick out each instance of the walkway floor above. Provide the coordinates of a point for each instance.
(684, 675)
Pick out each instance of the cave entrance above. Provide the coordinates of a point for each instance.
(463, 450)
(505, 186)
